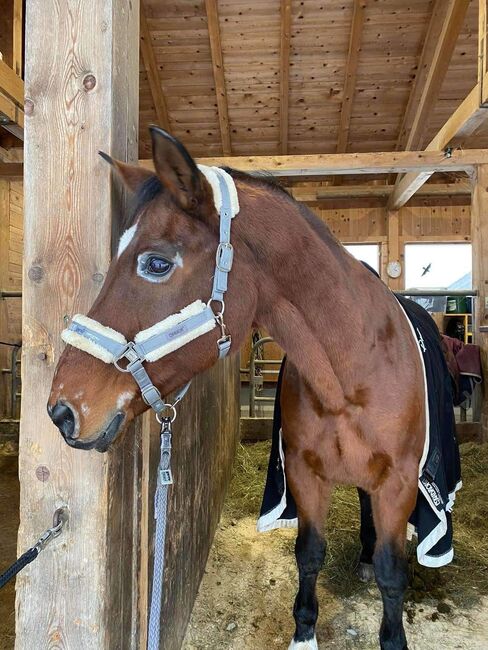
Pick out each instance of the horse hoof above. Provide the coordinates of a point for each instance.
(311, 644)
(365, 572)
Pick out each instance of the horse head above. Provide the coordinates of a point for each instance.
(165, 262)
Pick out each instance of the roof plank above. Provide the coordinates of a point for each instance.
(285, 38)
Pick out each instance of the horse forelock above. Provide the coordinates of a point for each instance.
(149, 190)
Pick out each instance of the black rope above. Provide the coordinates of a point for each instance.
(18, 565)
(12, 345)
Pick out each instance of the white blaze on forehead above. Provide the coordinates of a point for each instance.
(126, 239)
(125, 397)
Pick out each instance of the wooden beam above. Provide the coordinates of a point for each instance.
(11, 155)
(479, 238)
(11, 171)
(438, 17)
(314, 193)
(11, 84)
(285, 39)
(482, 62)
(218, 73)
(395, 249)
(462, 124)
(351, 73)
(333, 164)
(439, 58)
(82, 593)
(17, 43)
(149, 60)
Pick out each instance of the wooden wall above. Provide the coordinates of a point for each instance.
(11, 243)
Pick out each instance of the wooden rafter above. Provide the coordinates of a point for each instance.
(218, 73)
(468, 117)
(434, 63)
(482, 55)
(11, 84)
(334, 164)
(284, 72)
(315, 193)
(17, 41)
(151, 67)
(351, 73)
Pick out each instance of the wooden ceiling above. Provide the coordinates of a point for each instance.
(305, 76)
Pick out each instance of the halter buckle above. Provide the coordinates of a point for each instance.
(224, 257)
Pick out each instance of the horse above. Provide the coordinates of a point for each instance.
(353, 407)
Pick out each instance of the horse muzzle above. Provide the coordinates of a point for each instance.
(64, 417)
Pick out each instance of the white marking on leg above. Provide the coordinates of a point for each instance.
(126, 239)
(311, 644)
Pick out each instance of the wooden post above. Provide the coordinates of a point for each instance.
(395, 250)
(81, 96)
(479, 238)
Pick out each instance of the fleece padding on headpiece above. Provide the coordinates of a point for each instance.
(211, 176)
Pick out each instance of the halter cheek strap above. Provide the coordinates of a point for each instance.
(176, 330)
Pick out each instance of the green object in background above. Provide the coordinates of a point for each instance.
(458, 305)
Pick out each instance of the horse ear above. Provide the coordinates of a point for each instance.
(132, 176)
(176, 170)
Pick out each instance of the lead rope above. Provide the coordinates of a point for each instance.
(164, 480)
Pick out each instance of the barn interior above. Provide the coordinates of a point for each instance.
(373, 113)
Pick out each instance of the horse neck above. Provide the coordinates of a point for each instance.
(307, 291)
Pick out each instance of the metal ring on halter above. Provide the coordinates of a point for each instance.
(221, 311)
(167, 407)
(128, 354)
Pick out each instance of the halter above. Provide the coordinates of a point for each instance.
(175, 331)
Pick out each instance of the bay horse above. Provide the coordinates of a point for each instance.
(353, 408)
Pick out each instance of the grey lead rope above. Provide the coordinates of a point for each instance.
(164, 480)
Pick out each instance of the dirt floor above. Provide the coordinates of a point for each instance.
(246, 597)
(245, 600)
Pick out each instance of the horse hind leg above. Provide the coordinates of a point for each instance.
(392, 505)
(312, 496)
(367, 535)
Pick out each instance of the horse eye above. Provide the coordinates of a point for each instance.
(158, 266)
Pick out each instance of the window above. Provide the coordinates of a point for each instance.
(369, 253)
(438, 266)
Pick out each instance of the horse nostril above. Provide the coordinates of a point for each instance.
(64, 418)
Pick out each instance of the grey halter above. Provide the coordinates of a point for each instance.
(111, 346)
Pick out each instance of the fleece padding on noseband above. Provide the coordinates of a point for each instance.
(175, 331)
(100, 341)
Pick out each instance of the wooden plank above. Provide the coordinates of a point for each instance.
(151, 67)
(350, 163)
(351, 73)
(395, 249)
(11, 170)
(285, 39)
(482, 62)
(453, 12)
(82, 594)
(219, 75)
(479, 237)
(17, 43)
(11, 84)
(314, 193)
(440, 14)
(253, 429)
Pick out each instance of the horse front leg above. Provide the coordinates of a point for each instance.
(312, 496)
